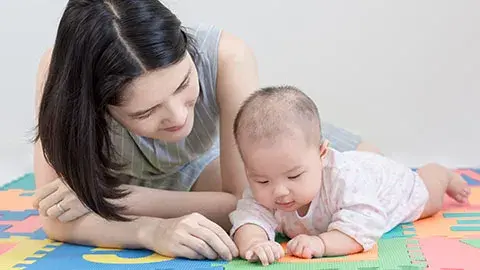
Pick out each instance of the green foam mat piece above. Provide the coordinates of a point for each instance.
(472, 242)
(26, 182)
(393, 254)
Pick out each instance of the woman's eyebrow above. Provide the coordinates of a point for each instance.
(185, 79)
(182, 84)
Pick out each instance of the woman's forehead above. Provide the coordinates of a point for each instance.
(157, 83)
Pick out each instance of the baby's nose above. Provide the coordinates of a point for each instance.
(281, 191)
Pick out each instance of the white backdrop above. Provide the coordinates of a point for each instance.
(404, 74)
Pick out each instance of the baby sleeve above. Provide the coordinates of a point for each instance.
(360, 215)
(250, 211)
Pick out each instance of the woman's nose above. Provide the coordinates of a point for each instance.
(176, 113)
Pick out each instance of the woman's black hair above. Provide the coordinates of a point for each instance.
(100, 47)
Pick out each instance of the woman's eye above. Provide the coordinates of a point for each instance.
(146, 115)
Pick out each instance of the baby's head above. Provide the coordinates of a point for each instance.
(277, 131)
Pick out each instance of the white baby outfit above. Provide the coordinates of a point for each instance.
(362, 195)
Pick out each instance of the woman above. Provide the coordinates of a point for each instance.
(134, 110)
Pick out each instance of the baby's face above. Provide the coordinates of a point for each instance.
(285, 175)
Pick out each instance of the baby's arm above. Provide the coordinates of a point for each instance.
(359, 219)
(254, 231)
(331, 243)
(337, 243)
(356, 227)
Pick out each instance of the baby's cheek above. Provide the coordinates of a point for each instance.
(266, 202)
(263, 197)
(307, 193)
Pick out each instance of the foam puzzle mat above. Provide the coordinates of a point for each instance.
(449, 240)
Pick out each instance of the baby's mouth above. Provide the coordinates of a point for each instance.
(285, 205)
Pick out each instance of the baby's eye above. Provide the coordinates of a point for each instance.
(262, 182)
(295, 176)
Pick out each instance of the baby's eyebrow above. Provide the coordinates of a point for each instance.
(293, 169)
(250, 174)
(254, 174)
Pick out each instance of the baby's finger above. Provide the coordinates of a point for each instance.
(299, 249)
(251, 256)
(262, 256)
(279, 252)
(307, 252)
(270, 254)
(291, 246)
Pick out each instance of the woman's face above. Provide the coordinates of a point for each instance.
(160, 104)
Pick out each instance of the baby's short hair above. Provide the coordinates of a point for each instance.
(276, 111)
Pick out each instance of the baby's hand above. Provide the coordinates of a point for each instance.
(306, 246)
(265, 251)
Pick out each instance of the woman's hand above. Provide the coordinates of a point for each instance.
(192, 236)
(57, 200)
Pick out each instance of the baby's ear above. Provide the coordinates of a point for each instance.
(324, 148)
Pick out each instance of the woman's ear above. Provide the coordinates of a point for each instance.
(324, 148)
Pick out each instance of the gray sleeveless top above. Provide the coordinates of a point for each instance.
(159, 164)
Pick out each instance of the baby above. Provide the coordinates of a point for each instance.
(329, 203)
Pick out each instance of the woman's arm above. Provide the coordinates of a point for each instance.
(237, 79)
(191, 236)
(151, 202)
(91, 229)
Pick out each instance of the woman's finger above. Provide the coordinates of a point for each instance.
(43, 192)
(199, 246)
(222, 235)
(68, 216)
(187, 252)
(55, 211)
(50, 201)
(213, 240)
